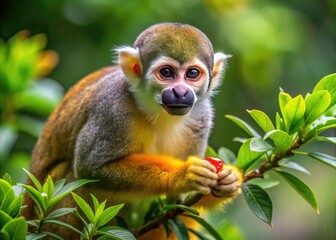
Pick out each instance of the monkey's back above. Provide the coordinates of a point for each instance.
(56, 144)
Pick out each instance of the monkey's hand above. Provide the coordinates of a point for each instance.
(198, 175)
(229, 182)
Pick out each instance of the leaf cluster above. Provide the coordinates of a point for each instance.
(12, 225)
(164, 211)
(48, 195)
(98, 218)
(45, 197)
(301, 120)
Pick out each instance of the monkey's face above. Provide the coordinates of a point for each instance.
(181, 84)
(171, 66)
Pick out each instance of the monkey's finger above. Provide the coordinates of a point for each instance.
(227, 190)
(203, 172)
(202, 185)
(224, 173)
(230, 179)
(201, 163)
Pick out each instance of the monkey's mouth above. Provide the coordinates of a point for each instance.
(177, 109)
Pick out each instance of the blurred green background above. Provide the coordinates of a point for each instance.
(289, 44)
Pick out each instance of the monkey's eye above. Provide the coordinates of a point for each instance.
(166, 72)
(193, 73)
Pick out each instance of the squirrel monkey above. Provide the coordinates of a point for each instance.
(141, 128)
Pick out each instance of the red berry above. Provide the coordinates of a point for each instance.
(216, 162)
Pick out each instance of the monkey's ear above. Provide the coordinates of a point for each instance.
(129, 60)
(218, 69)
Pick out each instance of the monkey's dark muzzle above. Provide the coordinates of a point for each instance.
(178, 100)
(177, 109)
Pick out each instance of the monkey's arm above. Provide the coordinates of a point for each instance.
(146, 174)
(108, 152)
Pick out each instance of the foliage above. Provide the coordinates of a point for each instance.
(47, 196)
(302, 120)
(98, 220)
(23, 99)
(12, 225)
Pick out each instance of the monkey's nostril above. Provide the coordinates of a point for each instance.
(180, 91)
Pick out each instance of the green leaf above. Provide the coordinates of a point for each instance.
(295, 166)
(52, 235)
(243, 125)
(280, 138)
(115, 232)
(205, 225)
(35, 195)
(259, 145)
(179, 228)
(324, 158)
(210, 152)
(60, 212)
(48, 188)
(99, 211)
(72, 186)
(183, 207)
(95, 202)
(34, 180)
(293, 114)
(84, 206)
(327, 139)
(227, 156)
(280, 122)
(36, 236)
(262, 120)
(63, 224)
(265, 183)
(199, 235)
(65, 190)
(316, 104)
(246, 157)
(259, 202)
(299, 187)
(153, 210)
(240, 140)
(4, 236)
(322, 124)
(16, 228)
(8, 179)
(109, 214)
(328, 83)
(32, 223)
(15, 207)
(4, 218)
(284, 98)
(58, 185)
(6, 194)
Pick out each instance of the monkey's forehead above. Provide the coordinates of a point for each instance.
(179, 41)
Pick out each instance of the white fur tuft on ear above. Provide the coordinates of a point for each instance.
(129, 60)
(218, 69)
